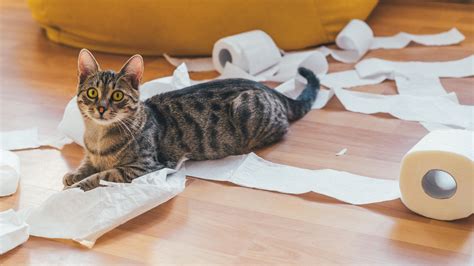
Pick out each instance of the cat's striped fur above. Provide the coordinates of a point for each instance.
(206, 121)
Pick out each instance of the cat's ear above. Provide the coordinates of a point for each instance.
(133, 70)
(86, 65)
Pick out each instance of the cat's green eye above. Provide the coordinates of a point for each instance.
(92, 93)
(117, 96)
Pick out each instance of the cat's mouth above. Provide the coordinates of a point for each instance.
(102, 119)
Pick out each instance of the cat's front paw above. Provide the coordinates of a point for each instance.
(87, 184)
(70, 179)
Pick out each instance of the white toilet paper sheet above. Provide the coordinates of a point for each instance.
(374, 67)
(19, 139)
(402, 39)
(200, 64)
(437, 109)
(180, 79)
(419, 85)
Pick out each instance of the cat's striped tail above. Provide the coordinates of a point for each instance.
(302, 105)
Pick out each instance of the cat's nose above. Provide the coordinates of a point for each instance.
(101, 110)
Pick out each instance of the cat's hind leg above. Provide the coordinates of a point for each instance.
(261, 118)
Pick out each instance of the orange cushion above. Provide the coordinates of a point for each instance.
(191, 27)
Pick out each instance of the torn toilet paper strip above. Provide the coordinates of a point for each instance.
(436, 112)
(375, 67)
(438, 109)
(200, 64)
(19, 139)
(419, 85)
(402, 39)
(180, 79)
(254, 172)
(85, 216)
(425, 85)
(357, 38)
(13, 230)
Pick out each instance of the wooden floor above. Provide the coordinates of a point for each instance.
(221, 223)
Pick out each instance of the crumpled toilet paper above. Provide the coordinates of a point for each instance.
(13, 231)
(85, 216)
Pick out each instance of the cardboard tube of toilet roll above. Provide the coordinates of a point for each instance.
(252, 51)
(437, 175)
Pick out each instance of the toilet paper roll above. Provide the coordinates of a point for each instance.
(253, 51)
(437, 175)
(9, 172)
(354, 40)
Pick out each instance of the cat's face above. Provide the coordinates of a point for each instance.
(107, 97)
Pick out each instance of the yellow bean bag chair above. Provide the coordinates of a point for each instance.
(191, 27)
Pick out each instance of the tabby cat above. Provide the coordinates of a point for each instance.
(126, 138)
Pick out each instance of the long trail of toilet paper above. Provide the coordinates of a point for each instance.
(374, 67)
(254, 172)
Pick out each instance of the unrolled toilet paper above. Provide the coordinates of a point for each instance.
(374, 67)
(250, 170)
(256, 53)
(402, 39)
(437, 175)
